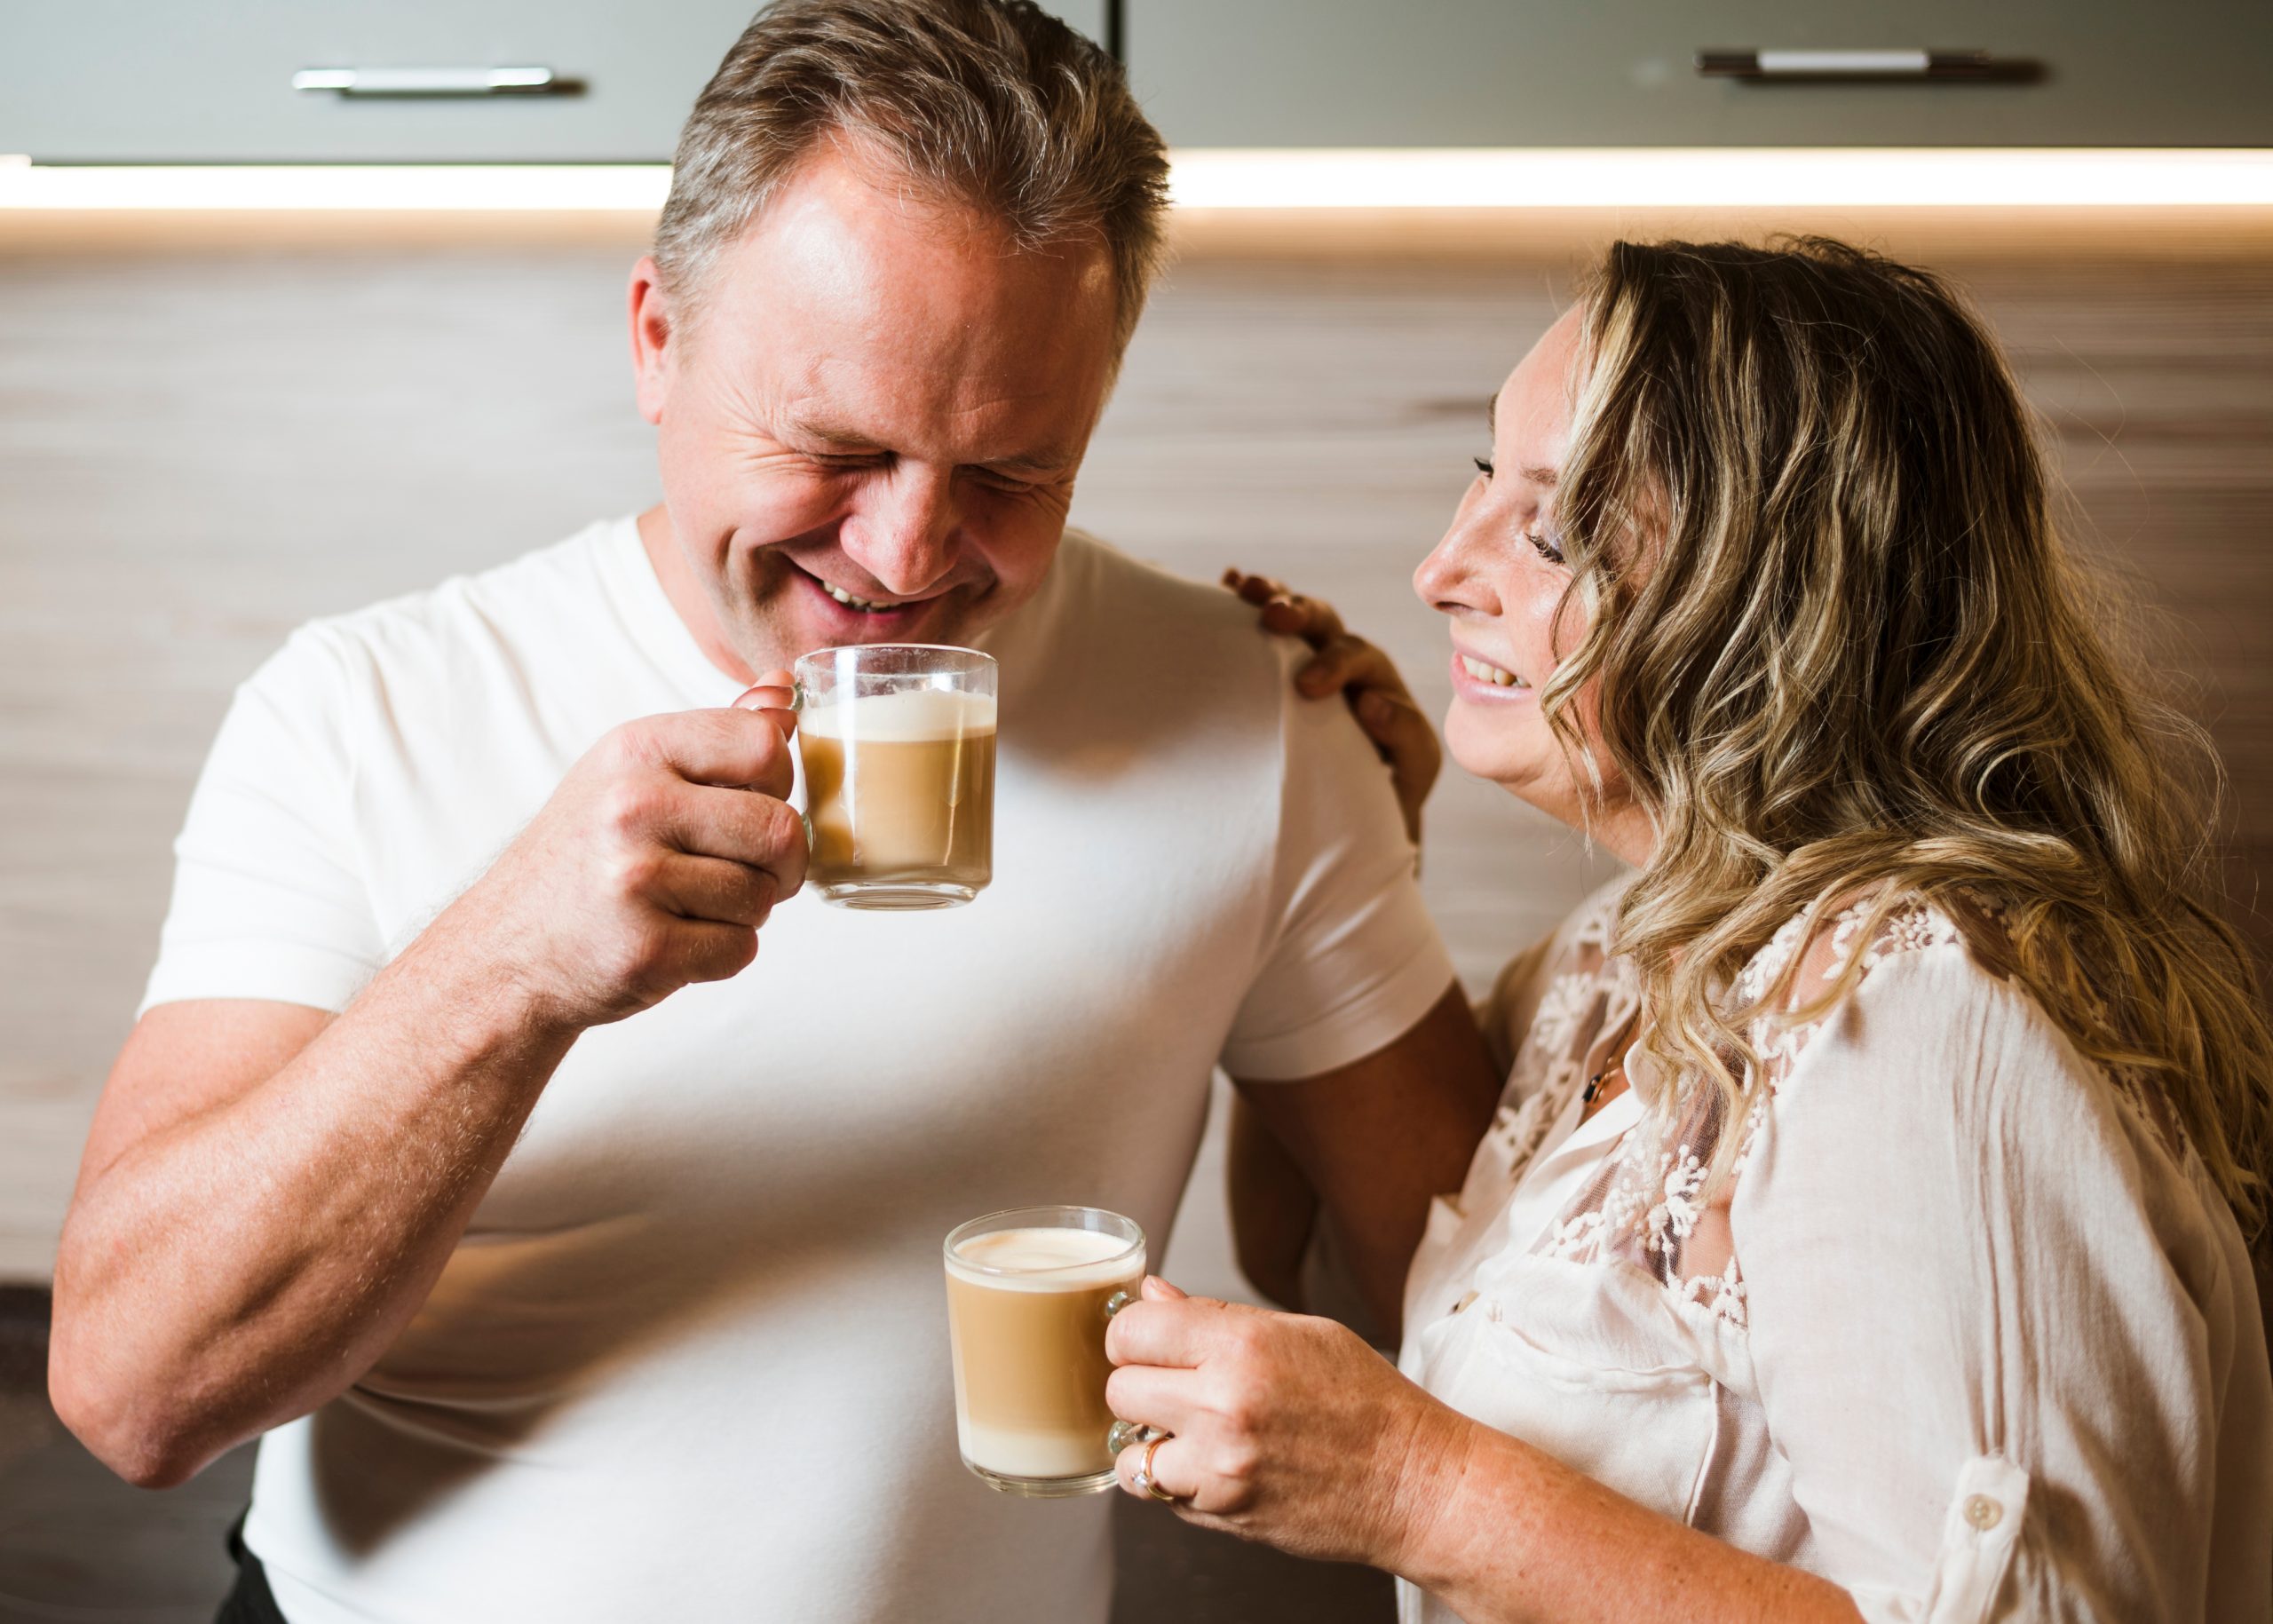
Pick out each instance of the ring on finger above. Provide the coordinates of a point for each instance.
(1144, 1482)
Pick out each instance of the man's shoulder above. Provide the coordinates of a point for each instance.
(511, 609)
(1110, 600)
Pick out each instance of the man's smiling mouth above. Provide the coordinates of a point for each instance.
(855, 602)
(864, 606)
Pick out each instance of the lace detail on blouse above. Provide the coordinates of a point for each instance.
(1644, 1207)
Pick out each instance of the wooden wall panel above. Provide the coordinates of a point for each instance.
(202, 446)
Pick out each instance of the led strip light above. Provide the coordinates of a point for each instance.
(1625, 178)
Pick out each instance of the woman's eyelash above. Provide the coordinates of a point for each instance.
(1545, 549)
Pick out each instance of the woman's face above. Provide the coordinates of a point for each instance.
(1500, 575)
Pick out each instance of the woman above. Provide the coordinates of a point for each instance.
(1863, 1232)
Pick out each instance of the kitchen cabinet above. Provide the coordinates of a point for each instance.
(125, 81)
(1623, 73)
(157, 81)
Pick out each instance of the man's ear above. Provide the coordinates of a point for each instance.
(653, 331)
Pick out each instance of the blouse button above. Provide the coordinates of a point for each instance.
(1983, 1512)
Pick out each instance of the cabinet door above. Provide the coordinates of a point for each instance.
(1622, 73)
(128, 81)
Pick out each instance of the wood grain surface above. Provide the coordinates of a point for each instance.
(206, 437)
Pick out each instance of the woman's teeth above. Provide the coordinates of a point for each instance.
(850, 602)
(1492, 674)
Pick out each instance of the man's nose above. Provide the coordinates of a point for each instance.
(903, 532)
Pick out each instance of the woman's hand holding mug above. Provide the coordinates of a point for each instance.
(1282, 1428)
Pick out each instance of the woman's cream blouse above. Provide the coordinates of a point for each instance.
(1968, 1334)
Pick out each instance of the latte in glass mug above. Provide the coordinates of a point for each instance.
(1029, 1294)
(897, 743)
(900, 789)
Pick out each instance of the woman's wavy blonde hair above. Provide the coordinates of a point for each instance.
(1839, 649)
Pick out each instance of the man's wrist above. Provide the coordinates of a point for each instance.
(484, 995)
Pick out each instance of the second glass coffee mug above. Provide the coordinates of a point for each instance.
(898, 741)
(1030, 1292)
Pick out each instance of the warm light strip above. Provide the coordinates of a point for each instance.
(1723, 177)
(1624, 178)
(486, 186)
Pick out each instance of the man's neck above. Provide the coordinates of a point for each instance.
(686, 595)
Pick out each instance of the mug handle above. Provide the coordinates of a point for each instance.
(1122, 1434)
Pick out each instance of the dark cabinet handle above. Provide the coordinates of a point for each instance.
(1892, 66)
(437, 82)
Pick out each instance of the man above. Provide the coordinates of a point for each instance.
(575, 1263)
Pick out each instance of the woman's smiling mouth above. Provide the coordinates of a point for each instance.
(1484, 673)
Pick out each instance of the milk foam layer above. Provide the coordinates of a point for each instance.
(1063, 1253)
(912, 716)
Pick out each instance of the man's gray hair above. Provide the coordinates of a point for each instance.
(991, 104)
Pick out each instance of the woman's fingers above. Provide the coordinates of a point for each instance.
(1257, 589)
(1407, 742)
(1164, 1399)
(1155, 1288)
(1286, 612)
(1171, 1469)
(1346, 662)
(1176, 1332)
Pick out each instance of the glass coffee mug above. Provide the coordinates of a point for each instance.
(897, 742)
(1030, 1292)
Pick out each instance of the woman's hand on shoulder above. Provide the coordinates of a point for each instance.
(1345, 663)
(1282, 1428)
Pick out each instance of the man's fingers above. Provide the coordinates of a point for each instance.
(739, 749)
(1155, 1289)
(741, 826)
(715, 889)
(704, 950)
(776, 701)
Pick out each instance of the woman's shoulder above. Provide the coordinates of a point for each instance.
(1571, 964)
(1904, 1012)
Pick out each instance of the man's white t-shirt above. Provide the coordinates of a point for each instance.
(690, 1360)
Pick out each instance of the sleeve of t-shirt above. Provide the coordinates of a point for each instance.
(1351, 958)
(269, 900)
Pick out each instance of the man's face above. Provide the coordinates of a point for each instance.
(879, 399)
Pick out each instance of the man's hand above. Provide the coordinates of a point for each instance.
(653, 866)
(268, 1192)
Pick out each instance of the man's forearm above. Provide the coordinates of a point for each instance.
(239, 1268)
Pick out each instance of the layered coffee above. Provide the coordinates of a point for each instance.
(1027, 1309)
(899, 790)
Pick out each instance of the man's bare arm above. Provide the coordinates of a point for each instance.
(268, 1194)
(247, 1236)
(1377, 1138)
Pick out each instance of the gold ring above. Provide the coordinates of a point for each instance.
(1144, 1478)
